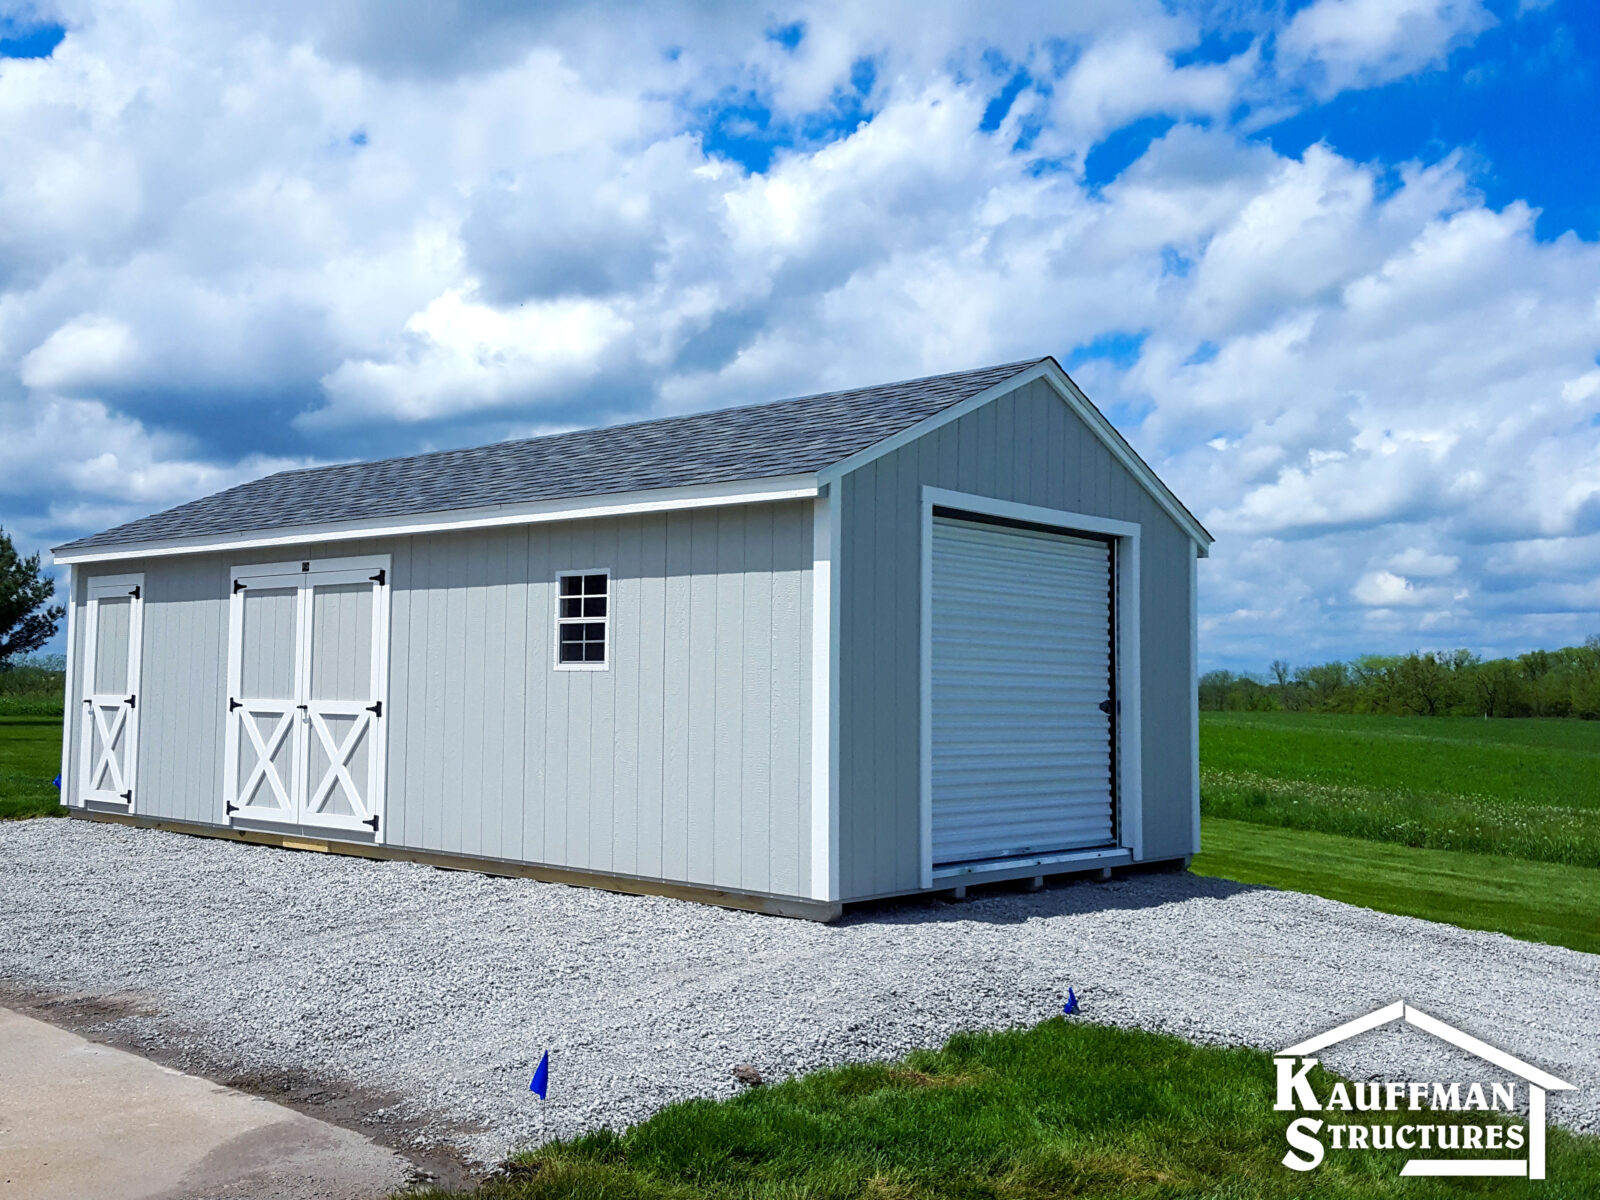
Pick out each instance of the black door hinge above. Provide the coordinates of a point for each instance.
(129, 701)
(128, 795)
(233, 704)
(238, 585)
(230, 806)
(134, 592)
(379, 577)
(376, 708)
(373, 821)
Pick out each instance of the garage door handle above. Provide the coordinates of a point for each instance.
(1105, 707)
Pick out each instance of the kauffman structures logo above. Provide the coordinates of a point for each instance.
(1508, 1138)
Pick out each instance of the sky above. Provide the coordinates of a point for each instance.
(1332, 266)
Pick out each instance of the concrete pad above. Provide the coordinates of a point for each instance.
(80, 1119)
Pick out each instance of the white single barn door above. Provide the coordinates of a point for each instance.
(108, 754)
(1021, 692)
(307, 650)
(343, 700)
(263, 749)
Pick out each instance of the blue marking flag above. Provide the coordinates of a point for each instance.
(57, 781)
(541, 1076)
(1071, 1006)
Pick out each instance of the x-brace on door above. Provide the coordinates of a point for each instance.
(308, 648)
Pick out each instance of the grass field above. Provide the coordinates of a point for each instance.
(1485, 824)
(1524, 789)
(1540, 902)
(30, 757)
(1063, 1109)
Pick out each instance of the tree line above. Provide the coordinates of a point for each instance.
(1541, 683)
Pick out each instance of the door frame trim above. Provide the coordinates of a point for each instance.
(91, 619)
(1127, 723)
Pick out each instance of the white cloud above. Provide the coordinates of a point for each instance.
(86, 351)
(459, 356)
(233, 237)
(1419, 563)
(1364, 42)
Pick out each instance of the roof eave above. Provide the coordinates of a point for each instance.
(575, 508)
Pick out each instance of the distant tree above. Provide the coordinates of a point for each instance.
(1499, 686)
(1585, 688)
(1290, 694)
(1378, 683)
(1536, 667)
(1214, 687)
(1326, 686)
(27, 618)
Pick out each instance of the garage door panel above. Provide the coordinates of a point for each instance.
(1021, 645)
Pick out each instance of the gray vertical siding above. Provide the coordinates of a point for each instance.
(688, 760)
(1026, 447)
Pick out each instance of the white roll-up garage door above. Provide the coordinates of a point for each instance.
(1021, 692)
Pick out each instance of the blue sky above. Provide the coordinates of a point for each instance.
(1333, 266)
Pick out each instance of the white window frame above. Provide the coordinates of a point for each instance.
(611, 608)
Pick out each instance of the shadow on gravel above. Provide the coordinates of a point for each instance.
(1010, 903)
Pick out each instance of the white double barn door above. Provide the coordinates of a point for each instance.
(307, 653)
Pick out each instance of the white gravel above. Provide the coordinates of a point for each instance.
(443, 988)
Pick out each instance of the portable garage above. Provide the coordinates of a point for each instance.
(786, 656)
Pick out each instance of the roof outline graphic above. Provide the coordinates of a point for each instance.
(1411, 1015)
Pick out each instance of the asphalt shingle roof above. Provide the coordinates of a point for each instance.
(789, 437)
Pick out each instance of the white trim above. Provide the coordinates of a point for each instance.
(305, 575)
(1194, 700)
(69, 786)
(1130, 712)
(1050, 371)
(300, 566)
(1040, 864)
(1010, 510)
(825, 543)
(925, 687)
(96, 586)
(555, 648)
(742, 491)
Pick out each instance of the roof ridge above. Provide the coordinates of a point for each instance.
(1020, 364)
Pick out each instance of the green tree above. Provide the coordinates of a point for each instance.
(27, 618)
(1499, 686)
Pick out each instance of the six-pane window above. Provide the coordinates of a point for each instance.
(581, 620)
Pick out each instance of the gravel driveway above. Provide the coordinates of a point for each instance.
(422, 999)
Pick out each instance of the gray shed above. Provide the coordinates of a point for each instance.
(784, 657)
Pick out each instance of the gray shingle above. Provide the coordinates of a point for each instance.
(790, 437)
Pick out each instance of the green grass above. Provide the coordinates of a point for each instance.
(1484, 824)
(1524, 789)
(1540, 902)
(1063, 1109)
(30, 757)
